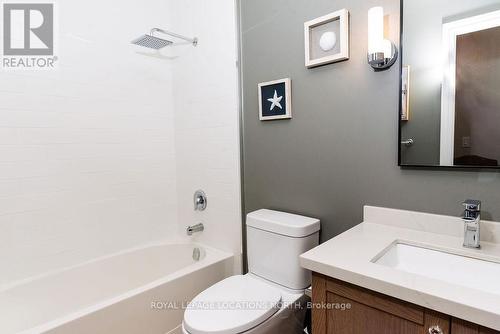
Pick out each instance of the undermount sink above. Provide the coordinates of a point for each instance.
(452, 268)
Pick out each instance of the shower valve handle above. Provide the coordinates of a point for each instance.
(200, 200)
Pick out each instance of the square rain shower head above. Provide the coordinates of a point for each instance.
(151, 42)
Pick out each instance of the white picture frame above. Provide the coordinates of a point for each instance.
(405, 93)
(286, 111)
(342, 16)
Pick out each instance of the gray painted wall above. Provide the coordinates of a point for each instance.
(339, 152)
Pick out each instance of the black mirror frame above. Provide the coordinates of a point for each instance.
(400, 108)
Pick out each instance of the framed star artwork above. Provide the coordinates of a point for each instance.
(275, 100)
(327, 39)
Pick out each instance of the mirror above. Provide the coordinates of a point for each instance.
(450, 84)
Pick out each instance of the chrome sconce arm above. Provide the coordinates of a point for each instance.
(379, 61)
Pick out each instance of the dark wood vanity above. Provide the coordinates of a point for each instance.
(349, 309)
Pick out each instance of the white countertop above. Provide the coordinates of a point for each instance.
(348, 257)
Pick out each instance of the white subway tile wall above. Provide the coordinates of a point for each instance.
(206, 121)
(96, 155)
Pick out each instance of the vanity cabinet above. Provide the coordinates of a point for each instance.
(342, 308)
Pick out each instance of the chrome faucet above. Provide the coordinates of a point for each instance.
(472, 219)
(195, 228)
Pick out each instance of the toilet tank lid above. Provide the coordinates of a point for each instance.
(287, 224)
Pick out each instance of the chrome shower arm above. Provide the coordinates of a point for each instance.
(193, 41)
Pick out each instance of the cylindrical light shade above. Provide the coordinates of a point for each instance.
(387, 47)
(375, 30)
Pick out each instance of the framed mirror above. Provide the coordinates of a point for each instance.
(450, 84)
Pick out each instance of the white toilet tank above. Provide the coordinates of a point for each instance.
(274, 242)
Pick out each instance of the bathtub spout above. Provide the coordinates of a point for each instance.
(195, 228)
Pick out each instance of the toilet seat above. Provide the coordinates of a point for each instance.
(232, 306)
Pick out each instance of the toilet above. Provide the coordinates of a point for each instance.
(271, 297)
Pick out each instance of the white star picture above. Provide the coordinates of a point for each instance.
(276, 101)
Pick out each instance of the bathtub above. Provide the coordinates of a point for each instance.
(139, 291)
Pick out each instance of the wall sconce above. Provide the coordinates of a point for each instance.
(382, 53)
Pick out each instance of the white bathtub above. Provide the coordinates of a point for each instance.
(137, 292)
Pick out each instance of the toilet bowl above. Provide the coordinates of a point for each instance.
(270, 298)
(246, 304)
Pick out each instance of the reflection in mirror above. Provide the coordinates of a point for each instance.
(450, 82)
